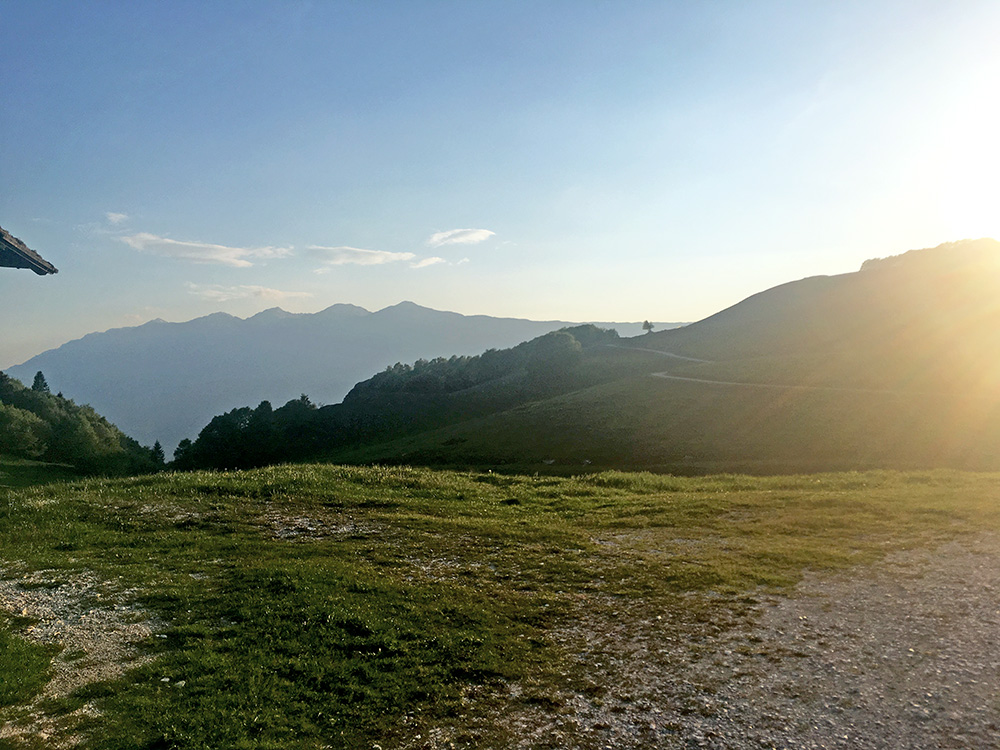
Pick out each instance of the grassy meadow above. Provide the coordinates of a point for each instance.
(326, 606)
(684, 427)
(22, 472)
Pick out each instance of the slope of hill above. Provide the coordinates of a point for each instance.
(893, 366)
(927, 319)
(404, 399)
(35, 424)
(896, 365)
(699, 428)
(164, 381)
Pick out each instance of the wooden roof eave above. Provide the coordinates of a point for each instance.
(15, 254)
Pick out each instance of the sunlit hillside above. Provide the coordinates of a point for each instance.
(896, 365)
(924, 320)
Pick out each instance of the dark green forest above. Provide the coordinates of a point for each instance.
(37, 424)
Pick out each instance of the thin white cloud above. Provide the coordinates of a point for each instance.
(217, 293)
(116, 218)
(424, 262)
(343, 255)
(459, 237)
(202, 252)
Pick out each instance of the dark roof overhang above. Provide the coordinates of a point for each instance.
(15, 254)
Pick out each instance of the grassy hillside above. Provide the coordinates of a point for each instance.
(409, 399)
(927, 319)
(22, 472)
(323, 606)
(692, 427)
(895, 366)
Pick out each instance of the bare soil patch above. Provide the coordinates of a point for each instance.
(97, 630)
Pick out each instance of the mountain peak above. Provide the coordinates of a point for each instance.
(272, 313)
(404, 305)
(216, 317)
(410, 309)
(343, 310)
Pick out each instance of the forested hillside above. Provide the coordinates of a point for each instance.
(36, 424)
(406, 399)
(893, 366)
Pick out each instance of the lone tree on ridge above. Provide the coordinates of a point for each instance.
(39, 383)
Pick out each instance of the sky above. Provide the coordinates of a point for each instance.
(579, 160)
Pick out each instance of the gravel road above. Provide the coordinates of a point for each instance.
(905, 654)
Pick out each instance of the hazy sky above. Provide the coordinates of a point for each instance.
(553, 160)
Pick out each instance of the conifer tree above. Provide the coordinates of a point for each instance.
(39, 384)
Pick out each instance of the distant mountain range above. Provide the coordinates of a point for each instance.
(896, 365)
(165, 381)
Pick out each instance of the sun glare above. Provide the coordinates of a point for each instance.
(968, 173)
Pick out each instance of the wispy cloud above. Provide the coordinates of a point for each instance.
(115, 218)
(217, 293)
(343, 255)
(459, 237)
(424, 262)
(202, 252)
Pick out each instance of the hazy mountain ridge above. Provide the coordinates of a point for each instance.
(894, 365)
(164, 381)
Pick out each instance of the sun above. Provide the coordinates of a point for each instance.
(967, 178)
(969, 200)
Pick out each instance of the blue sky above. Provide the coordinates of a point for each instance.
(552, 160)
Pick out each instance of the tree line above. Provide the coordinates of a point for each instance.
(36, 424)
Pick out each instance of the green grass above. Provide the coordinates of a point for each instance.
(20, 472)
(24, 666)
(325, 606)
(686, 427)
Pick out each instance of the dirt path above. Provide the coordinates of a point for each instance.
(662, 353)
(901, 655)
(668, 376)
